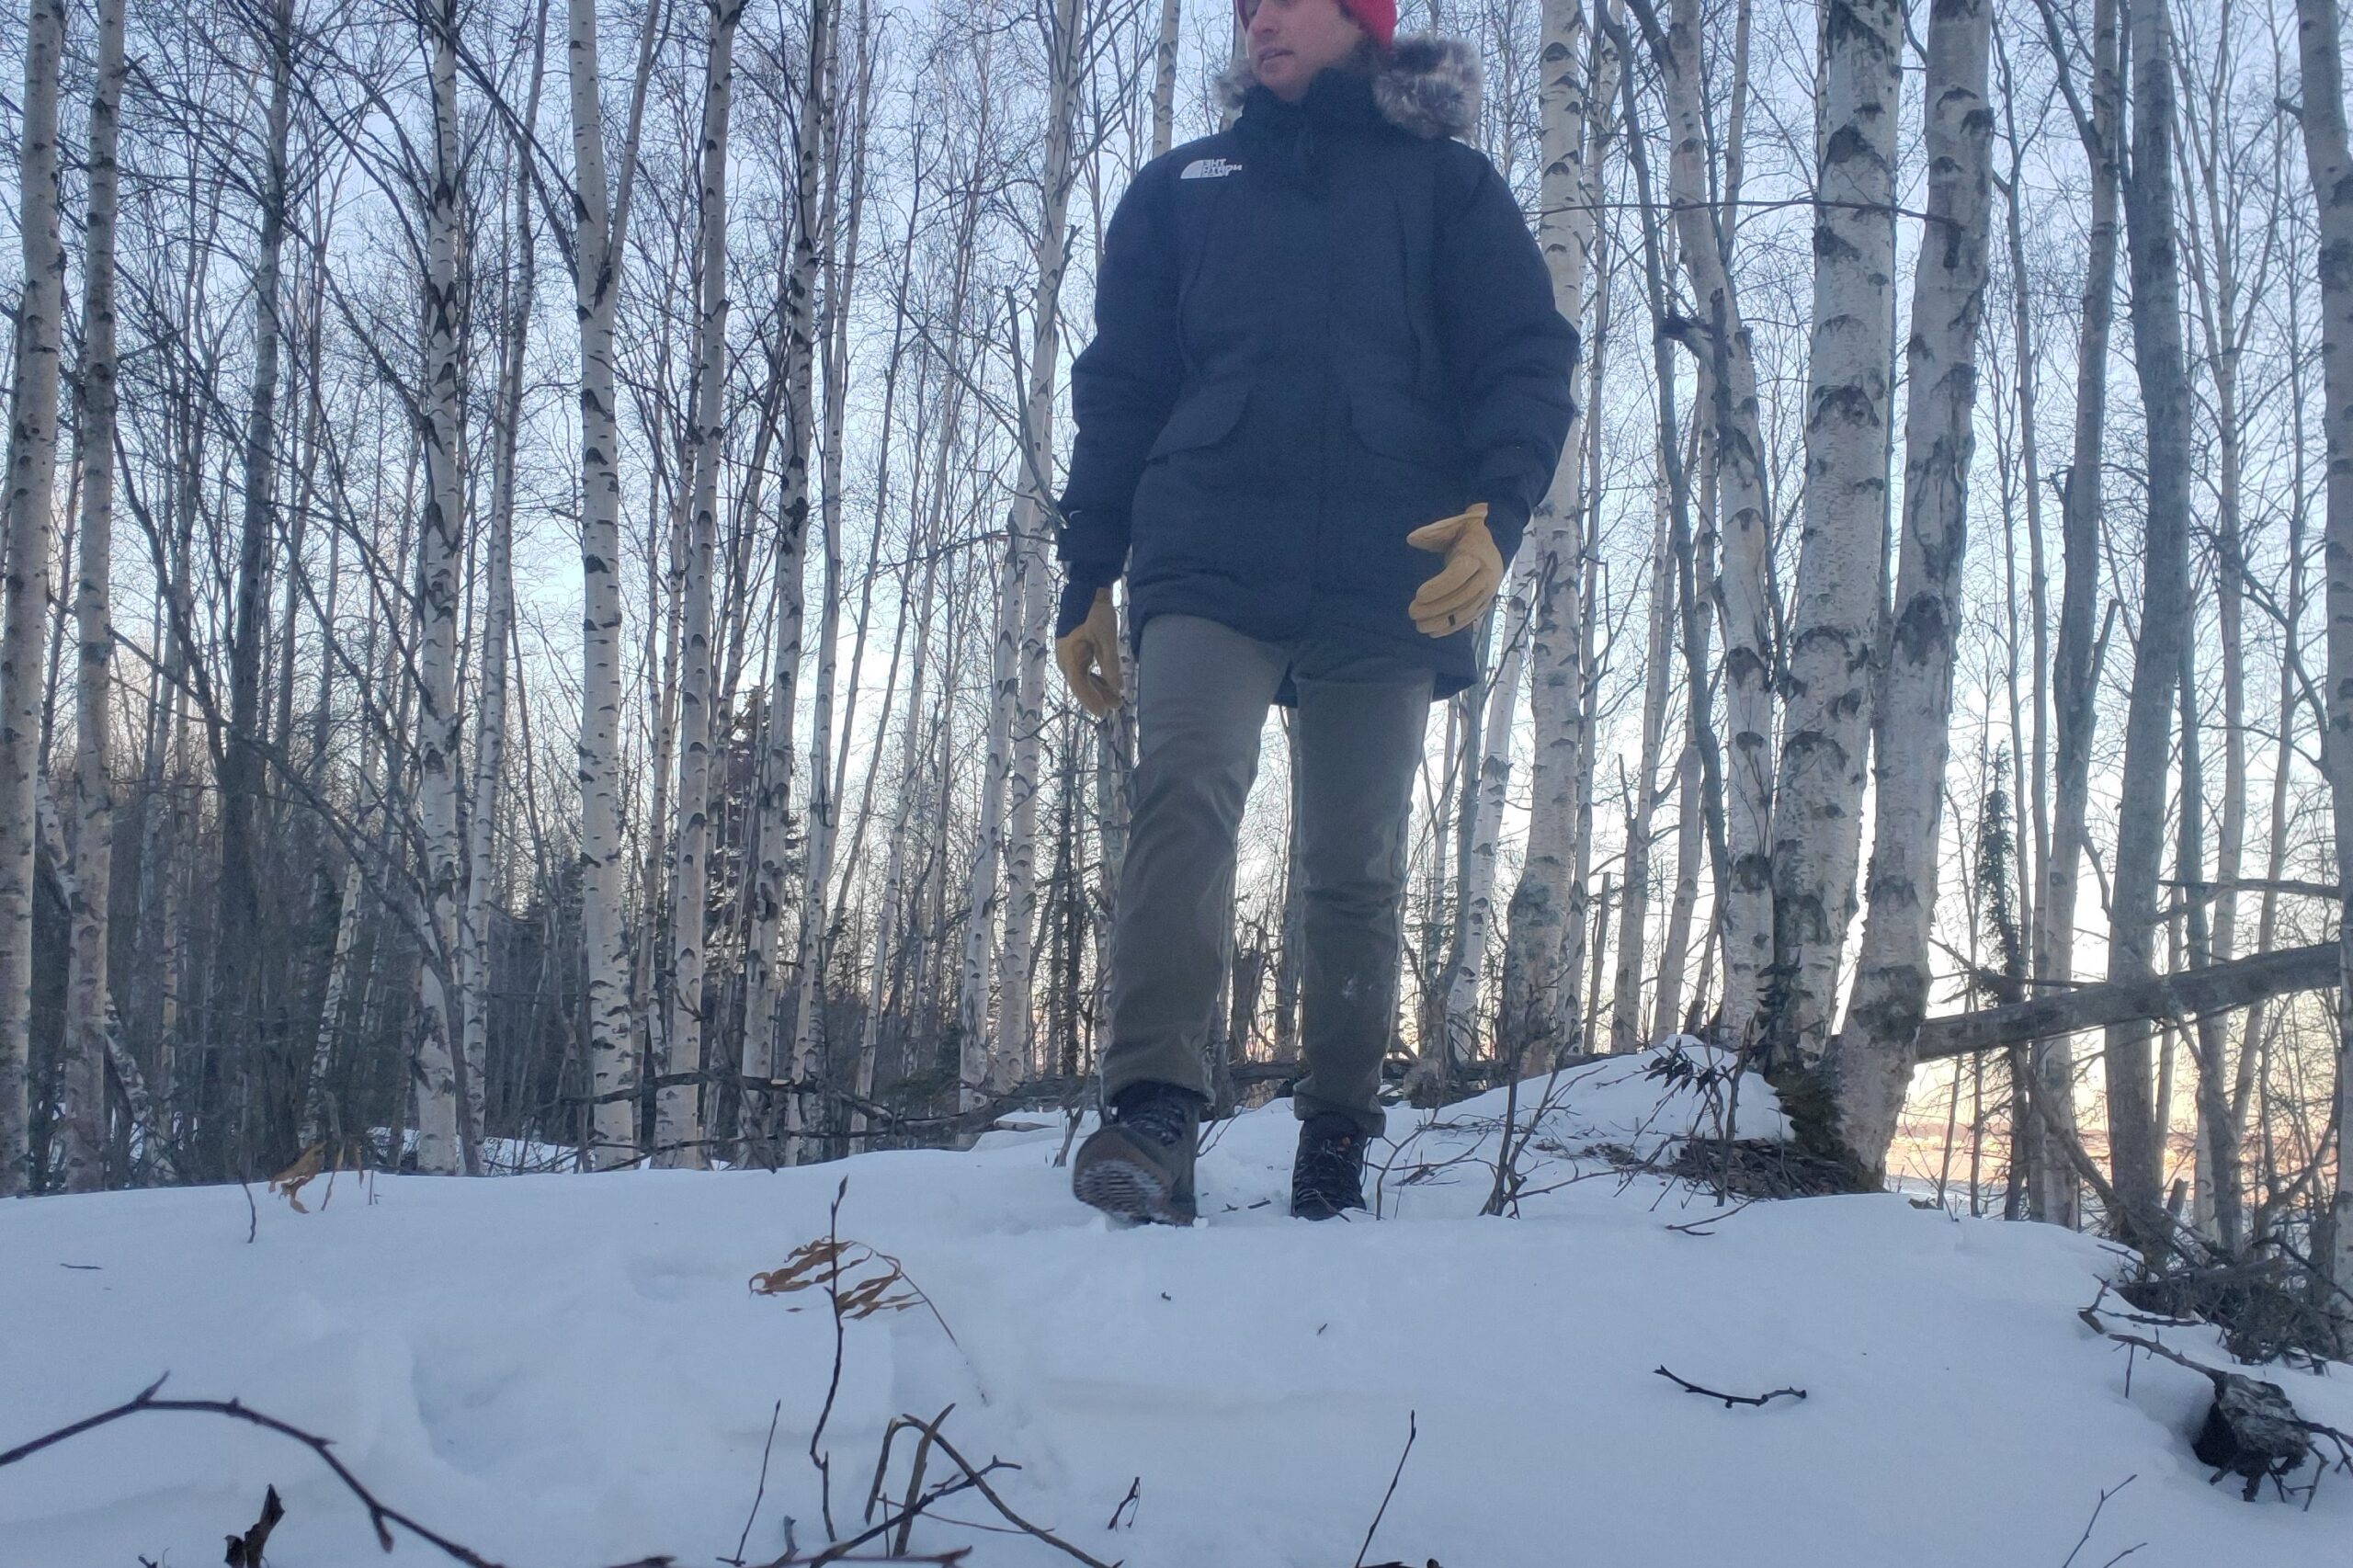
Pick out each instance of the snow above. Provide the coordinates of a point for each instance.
(569, 1369)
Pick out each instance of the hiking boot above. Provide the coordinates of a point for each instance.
(1139, 1165)
(1328, 1175)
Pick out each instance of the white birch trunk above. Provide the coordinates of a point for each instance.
(678, 1115)
(1475, 914)
(1835, 611)
(763, 990)
(1033, 513)
(82, 1130)
(1871, 1065)
(976, 1073)
(1538, 1021)
(600, 232)
(443, 1146)
(24, 592)
(1633, 912)
(1719, 336)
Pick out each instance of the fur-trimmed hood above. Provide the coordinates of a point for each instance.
(1427, 84)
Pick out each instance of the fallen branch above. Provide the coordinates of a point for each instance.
(1730, 1399)
(382, 1516)
(2215, 988)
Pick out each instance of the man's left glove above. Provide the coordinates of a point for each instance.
(1086, 642)
(1466, 585)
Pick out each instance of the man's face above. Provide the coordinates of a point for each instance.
(1292, 39)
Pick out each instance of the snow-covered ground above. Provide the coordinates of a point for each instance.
(569, 1371)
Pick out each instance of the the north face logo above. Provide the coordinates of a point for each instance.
(1210, 168)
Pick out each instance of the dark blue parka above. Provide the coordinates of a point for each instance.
(1315, 330)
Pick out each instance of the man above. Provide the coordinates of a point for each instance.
(1325, 350)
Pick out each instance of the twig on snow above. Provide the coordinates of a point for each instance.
(2093, 1523)
(1413, 1431)
(759, 1492)
(1730, 1399)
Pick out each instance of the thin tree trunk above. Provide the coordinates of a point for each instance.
(24, 591)
(1641, 791)
(1540, 981)
(600, 232)
(2099, 127)
(2153, 240)
(763, 990)
(1719, 336)
(2320, 30)
(499, 608)
(677, 1114)
(82, 1077)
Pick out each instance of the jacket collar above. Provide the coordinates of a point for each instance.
(1427, 85)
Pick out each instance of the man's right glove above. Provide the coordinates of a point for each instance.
(1087, 642)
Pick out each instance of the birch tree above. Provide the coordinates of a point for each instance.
(797, 337)
(600, 227)
(677, 1127)
(1836, 605)
(444, 1140)
(82, 1119)
(1717, 335)
(24, 589)
(1578, 79)
(1065, 36)
(1872, 1063)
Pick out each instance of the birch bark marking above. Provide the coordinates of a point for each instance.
(677, 1118)
(600, 229)
(1871, 1065)
(1539, 999)
(444, 1141)
(82, 1121)
(1033, 514)
(2152, 243)
(2320, 32)
(1836, 606)
(24, 592)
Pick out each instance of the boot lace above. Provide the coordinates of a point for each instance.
(1162, 1117)
(1331, 1160)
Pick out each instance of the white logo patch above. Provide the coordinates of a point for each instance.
(1210, 168)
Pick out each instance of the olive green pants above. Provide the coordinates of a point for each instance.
(1202, 694)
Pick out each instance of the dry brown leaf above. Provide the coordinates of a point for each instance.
(288, 1183)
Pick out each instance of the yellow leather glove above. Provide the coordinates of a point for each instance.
(1093, 646)
(1466, 585)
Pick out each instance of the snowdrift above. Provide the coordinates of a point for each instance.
(564, 1370)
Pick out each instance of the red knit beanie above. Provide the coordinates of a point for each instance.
(1377, 17)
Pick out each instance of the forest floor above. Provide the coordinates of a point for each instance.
(559, 1371)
